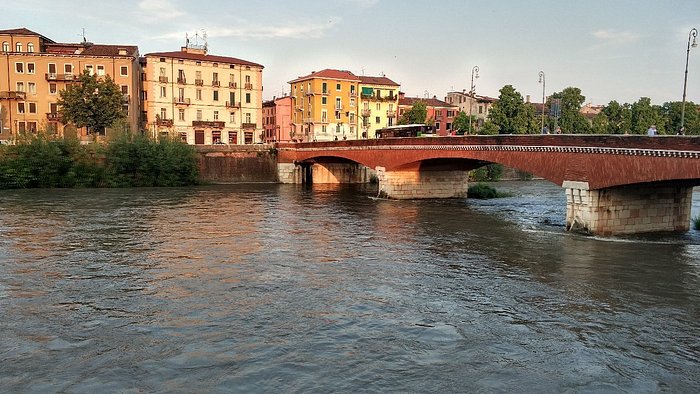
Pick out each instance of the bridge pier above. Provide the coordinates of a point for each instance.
(323, 173)
(415, 184)
(627, 210)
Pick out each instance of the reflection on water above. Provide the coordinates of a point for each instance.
(288, 288)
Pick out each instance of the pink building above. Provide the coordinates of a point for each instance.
(441, 112)
(277, 118)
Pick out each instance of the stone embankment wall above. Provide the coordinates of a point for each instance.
(237, 163)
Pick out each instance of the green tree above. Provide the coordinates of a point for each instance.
(645, 115)
(488, 128)
(461, 123)
(671, 113)
(415, 115)
(619, 117)
(600, 124)
(93, 103)
(511, 115)
(571, 119)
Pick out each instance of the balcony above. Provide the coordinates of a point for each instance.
(164, 122)
(249, 86)
(247, 126)
(181, 100)
(126, 98)
(199, 82)
(12, 95)
(390, 114)
(308, 120)
(352, 94)
(366, 112)
(230, 104)
(324, 120)
(163, 79)
(216, 84)
(52, 116)
(232, 85)
(215, 124)
(51, 76)
(182, 80)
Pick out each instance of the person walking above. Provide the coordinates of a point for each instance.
(651, 131)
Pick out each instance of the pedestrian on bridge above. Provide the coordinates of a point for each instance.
(651, 131)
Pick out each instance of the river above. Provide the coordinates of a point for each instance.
(286, 288)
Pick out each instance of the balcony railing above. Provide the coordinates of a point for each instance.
(181, 80)
(232, 85)
(353, 94)
(199, 82)
(216, 84)
(52, 117)
(164, 122)
(163, 79)
(249, 86)
(230, 104)
(391, 114)
(60, 77)
(181, 100)
(324, 120)
(214, 124)
(51, 76)
(12, 95)
(248, 125)
(308, 120)
(366, 112)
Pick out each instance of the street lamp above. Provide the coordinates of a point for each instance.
(693, 34)
(475, 70)
(542, 81)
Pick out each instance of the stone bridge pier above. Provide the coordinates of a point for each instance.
(627, 209)
(419, 184)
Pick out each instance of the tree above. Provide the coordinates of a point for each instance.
(415, 115)
(511, 115)
(93, 103)
(571, 119)
(461, 123)
(671, 113)
(644, 115)
(619, 117)
(600, 124)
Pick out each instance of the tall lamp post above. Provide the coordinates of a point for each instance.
(693, 34)
(475, 70)
(542, 81)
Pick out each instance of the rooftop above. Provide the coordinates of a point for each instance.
(329, 74)
(203, 57)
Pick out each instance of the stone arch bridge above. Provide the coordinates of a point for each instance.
(614, 184)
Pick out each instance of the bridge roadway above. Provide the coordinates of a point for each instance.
(614, 184)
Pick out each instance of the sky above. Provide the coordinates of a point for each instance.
(612, 50)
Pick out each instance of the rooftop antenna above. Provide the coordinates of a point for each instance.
(187, 40)
(363, 71)
(206, 44)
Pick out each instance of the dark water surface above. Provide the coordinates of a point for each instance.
(278, 288)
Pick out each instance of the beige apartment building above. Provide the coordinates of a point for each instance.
(202, 98)
(34, 69)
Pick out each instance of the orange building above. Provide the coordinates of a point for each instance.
(34, 69)
(438, 111)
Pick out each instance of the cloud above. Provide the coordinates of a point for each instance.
(162, 9)
(612, 36)
(304, 30)
(364, 3)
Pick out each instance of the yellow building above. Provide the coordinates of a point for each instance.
(379, 98)
(327, 105)
(34, 69)
(324, 106)
(203, 98)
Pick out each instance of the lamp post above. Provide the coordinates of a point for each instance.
(475, 70)
(693, 34)
(542, 81)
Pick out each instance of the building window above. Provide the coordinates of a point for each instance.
(247, 79)
(125, 89)
(31, 88)
(379, 107)
(20, 86)
(337, 115)
(338, 103)
(90, 69)
(198, 94)
(216, 115)
(162, 72)
(68, 68)
(247, 98)
(215, 65)
(481, 109)
(52, 88)
(163, 113)
(377, 120)
(232, 118)
(216, 95)
(448, 126)
(181, 115)
(30, 68)
(18, 47)
(215, 77)
(437, 125)
(163, 92)
(19, 68)
(352, 101)
(124, 71)
(20, 108)
(100, 70)
(199, 114)
(181, 95)
(247, 117)
(6, 46)
(438, 112)
(324, 116)
(324, 100)
(337, 87)
(32, 108)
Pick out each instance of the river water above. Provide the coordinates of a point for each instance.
(282, 288)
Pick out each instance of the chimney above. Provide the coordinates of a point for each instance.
(527, 98)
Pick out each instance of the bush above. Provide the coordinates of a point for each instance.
(489, 173)
(483, 191)
(126, 161)
(696, 222)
